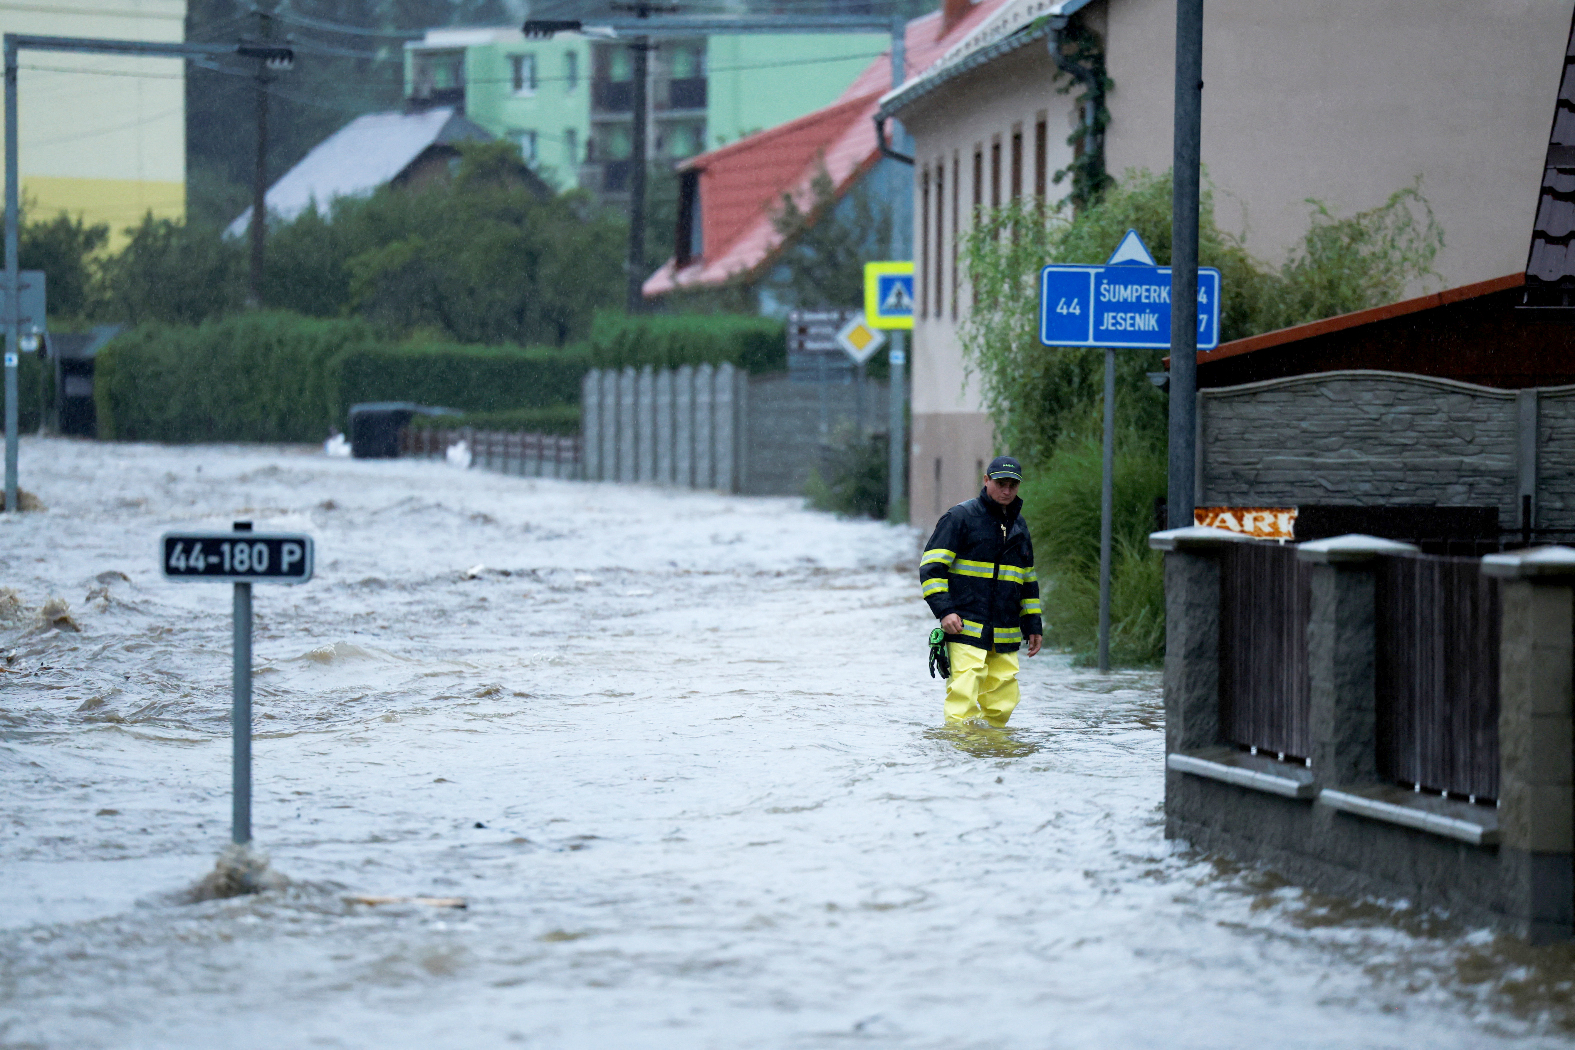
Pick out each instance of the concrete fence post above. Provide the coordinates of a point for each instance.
(725, 437)
(590, 421)
(1192, 636)
(741, 431)
(705, 427)
(1536, 733)
(645, 412)
(663, 417)
(609, 431)
(684, 427)
(1342, 657)
(628, 434)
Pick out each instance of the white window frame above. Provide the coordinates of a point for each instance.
(522, 73)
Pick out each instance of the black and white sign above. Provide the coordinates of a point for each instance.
(238, 557)
(814, 353)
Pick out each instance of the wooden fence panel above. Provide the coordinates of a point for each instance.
(1437, 688)
(1265, 691)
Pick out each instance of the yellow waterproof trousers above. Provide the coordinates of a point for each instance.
(983, 683)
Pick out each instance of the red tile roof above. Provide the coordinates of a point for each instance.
(741, 184)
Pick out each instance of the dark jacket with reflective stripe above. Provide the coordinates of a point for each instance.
(979, 564)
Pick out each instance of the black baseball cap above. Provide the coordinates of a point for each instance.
(1004, 467)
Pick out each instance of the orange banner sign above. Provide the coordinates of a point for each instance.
(1264, 523)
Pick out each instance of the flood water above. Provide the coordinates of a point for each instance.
(680, 755)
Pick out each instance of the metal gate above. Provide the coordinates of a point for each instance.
(1437, 688)
(1265, 605)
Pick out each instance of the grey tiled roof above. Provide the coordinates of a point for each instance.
(1550, 266)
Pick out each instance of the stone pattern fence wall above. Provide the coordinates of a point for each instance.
(715, 427)
(1330, 820)
(1389, 438)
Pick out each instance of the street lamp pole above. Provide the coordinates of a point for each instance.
(1182, 483)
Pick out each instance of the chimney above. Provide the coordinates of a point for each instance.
(952, 12)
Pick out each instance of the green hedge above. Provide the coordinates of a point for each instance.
(556, 419)
(270, 376)
(755, 344)
(250, 377)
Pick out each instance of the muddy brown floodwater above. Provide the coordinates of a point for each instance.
(680, 755)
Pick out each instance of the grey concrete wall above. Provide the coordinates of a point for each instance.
(724, 424)
(782, 441)
(1389, 438)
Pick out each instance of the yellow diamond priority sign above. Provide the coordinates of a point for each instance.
(859, 339)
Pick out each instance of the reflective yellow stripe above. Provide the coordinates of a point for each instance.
(983, 569)
(1008, 636)
(1032, 607)
(1017, 573)
(938, 556)
(971, 629)
(936, 587)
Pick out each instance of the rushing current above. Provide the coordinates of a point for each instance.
(679, 755)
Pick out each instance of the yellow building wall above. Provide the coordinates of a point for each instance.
(103, 137)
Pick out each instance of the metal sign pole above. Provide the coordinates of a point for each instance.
(13, 279)
(897, 458)
(1182, 484)
(1107, 508)
(241, 713)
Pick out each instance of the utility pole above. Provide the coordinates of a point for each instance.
(259, 225)
(1187, 151)
(897, 356)
(270, 55)
(640, 51)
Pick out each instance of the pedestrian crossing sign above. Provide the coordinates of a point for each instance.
(888, 294)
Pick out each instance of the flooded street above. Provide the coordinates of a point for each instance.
(680, 755)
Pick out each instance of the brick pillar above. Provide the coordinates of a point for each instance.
(1192, 635)
(1342, 649)
(1536, 732)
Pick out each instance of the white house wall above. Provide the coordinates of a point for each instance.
(953, 437)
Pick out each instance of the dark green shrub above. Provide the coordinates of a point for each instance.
(469, 378)
(852, 478)
(269, 376)
(755, 344)
(555, 419)
(248, 377)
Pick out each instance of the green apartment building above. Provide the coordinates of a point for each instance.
(567, 102)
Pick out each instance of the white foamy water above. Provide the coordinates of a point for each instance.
(679, 753)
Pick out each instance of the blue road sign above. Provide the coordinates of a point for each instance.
(1124, 304)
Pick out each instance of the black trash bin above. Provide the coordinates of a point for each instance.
(375, 425)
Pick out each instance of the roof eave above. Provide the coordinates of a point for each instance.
(899, 98)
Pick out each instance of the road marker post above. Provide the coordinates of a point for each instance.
(242, 557)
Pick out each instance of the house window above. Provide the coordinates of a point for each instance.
(956, 222)
(571, 146)
(1017, 162)
(924, 243)
(437, 71)
(571, 70)
(523, 68)
(995, 174)
(525, 142)
(1041, 159)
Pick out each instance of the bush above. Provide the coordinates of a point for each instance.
(854, 483)
(556, 419)
(1061, 504)
(470, 378)
(269, 376)
(755, 344)
(250, 377)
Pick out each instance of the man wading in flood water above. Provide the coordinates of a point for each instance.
(977, 574)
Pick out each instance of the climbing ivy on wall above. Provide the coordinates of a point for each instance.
(1081, 49)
